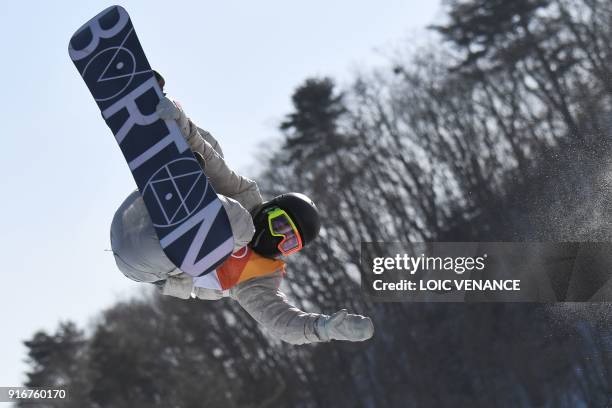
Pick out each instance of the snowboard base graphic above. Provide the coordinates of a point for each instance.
(188, 217)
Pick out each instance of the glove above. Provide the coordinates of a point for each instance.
(344, 326)
(167, 110)
(179, 286)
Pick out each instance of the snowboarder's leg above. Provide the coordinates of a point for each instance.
(137, 250)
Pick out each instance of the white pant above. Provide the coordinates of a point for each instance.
(137, 250)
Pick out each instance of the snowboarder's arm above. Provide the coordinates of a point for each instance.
(262, 299)
(240, 221)
(224, 180)
(207, 137)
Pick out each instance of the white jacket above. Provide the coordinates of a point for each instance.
(139, 255)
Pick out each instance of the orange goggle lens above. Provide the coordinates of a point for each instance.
(281, 225)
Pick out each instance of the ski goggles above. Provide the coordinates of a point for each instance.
(281, 225)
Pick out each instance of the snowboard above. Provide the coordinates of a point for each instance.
(189, 219)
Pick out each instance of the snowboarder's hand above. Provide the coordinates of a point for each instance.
(167, 110)
(344, 326)
(179, 286)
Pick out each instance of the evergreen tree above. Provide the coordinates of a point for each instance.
(312, 129)
(59, 361)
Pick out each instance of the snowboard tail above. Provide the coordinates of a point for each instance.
(189, 219)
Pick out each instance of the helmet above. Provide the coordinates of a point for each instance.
(302, 211)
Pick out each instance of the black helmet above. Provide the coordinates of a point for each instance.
(302, 211)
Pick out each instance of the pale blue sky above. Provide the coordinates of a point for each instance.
(232, 65)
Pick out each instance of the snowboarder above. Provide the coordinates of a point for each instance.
(264, 232)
